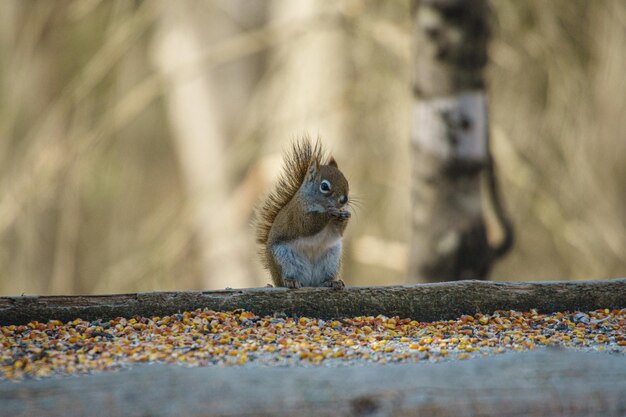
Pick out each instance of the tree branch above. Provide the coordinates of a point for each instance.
(424, 302)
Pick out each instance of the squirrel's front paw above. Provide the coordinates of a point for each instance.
(336, 284)
(341, 214)
(292, 284)
(344, 214)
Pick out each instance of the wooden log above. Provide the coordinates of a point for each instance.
(424, 302)
(541, 383)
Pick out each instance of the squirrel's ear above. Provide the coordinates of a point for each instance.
(332, 162)
(314, 167)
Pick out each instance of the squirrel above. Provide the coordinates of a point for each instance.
(300, 224)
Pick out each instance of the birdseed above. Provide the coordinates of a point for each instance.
(204, 338)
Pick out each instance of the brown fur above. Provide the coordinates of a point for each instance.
(289, 213)
(294, 172)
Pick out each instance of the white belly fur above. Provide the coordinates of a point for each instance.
(312, 247)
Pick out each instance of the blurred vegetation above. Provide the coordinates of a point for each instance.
(135, 137)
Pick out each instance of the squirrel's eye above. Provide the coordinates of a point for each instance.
(325, 186)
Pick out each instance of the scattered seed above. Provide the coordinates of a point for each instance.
(205, 337)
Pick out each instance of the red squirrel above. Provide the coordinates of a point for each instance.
(300, 224)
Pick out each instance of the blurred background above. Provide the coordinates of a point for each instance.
(137, 136)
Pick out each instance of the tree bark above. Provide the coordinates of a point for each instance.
(520, 384)
(425, 302)
(450, 146)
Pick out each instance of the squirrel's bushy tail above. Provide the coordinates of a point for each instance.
(294, 170)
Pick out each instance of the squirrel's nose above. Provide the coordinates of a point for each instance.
(343, 200)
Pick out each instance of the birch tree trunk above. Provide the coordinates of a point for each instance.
(450, 141)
